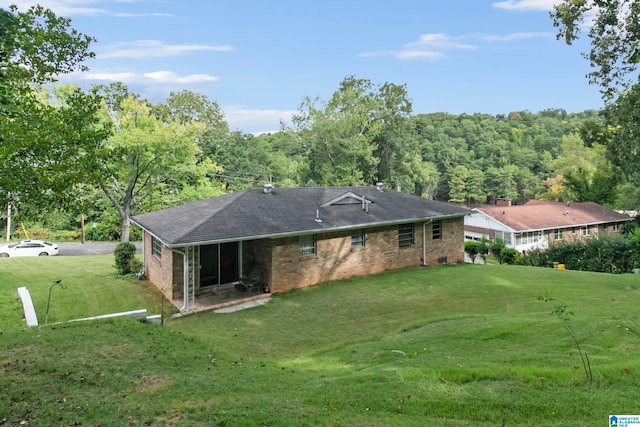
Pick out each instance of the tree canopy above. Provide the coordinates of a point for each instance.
(45, 145)
(614, 32)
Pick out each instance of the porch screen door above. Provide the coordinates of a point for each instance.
(228, 262)
(218, 264)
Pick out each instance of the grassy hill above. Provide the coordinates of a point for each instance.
(447, 346)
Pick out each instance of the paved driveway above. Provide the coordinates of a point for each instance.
(90, 248)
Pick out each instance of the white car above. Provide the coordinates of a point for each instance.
(29, 248)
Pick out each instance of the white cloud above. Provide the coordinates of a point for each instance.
(70, 8)
(59, 7)
(428, 46)
(542, 5)
(116, 77)
(515, 36)
(154, 49)
(170, 77)
(147, 79)
(240, 115)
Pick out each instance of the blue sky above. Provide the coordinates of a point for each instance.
(258, 59)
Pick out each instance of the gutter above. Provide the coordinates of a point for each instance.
(424, 242)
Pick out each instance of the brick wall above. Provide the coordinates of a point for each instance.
(335, 259)
(165, 273)
(283, 269)
(451, 244)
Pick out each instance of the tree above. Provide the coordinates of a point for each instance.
(144, 155)
(475, 186)
(457, 182)
(46, 148)
(586, 173)
(340, 135)
(186, 107)
(615, 52)
(396, 146)
(244, 160)
(363, 134)
(496, 248)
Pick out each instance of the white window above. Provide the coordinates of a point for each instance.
(156, 247)
(307, 245)
(558, 234)
(504, 235)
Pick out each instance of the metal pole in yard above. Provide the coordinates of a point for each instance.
(57, 282)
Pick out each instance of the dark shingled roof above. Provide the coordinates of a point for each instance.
(252, 213)
(544, 215)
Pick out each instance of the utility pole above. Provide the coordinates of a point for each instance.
(9, 217)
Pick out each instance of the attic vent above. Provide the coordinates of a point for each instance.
(348, 198)
(379, 186)
(267, 187)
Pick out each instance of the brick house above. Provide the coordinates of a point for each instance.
(538, 223)
(295, 237)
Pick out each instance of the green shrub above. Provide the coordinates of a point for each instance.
(508, 255)
(124, 254)
(496, 248)
(471, 248)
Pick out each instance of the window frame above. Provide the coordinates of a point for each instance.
(156, 247)
(436, 230)
(357, 238)
(406, 235)
(558, 234)
(307, 245)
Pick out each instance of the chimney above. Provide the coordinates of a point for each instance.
(503, 202)
(379, 186)
(267, 187)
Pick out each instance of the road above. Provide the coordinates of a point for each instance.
(90, 248)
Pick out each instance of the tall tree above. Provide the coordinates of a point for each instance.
(340, 134)
(457, 180)
(144, 153)
(45, 148)
(363, 134)
(186, 107)
(614, 56)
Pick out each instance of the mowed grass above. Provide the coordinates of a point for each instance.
(447, 346)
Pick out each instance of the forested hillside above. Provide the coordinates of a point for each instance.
(182, 150)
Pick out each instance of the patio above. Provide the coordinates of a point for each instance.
(220, 297)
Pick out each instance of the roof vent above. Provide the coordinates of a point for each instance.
(379, 186)
(267, 187)
(566, 213)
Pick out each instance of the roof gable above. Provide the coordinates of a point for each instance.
(347, 198)
(253, 213)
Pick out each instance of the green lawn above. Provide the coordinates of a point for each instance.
(448, 346)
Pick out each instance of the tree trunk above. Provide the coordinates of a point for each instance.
(126, 228)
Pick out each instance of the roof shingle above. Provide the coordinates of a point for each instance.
(544, 215)
(252, 213)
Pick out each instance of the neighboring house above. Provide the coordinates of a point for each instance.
(295, 237)
(537, 223)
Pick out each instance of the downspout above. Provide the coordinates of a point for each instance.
(424, 242)
(185, 279)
